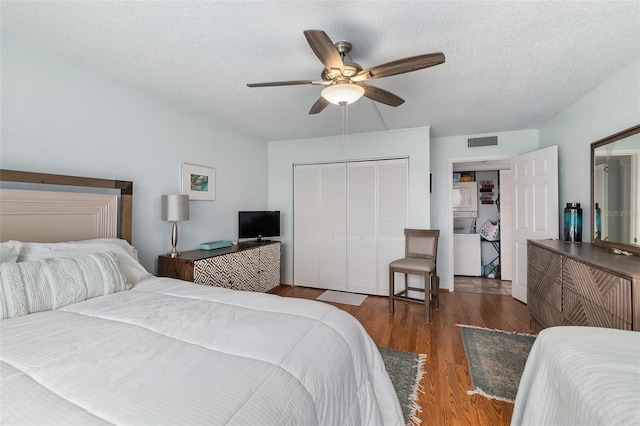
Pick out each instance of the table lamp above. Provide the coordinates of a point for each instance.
(174, 207)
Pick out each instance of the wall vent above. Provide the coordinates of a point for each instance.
(484, 141)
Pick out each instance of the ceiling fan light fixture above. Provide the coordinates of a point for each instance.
(345, 93)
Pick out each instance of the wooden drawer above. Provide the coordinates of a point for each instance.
(547, 288)
(544, 261)
(597, 287)
(601, 289)
(547, 314)
(269, 267)
(247, 266)
(578, 310)
(544, 278)
(234, 270)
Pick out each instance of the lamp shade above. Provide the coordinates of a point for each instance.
(340, 93)
(174, 207)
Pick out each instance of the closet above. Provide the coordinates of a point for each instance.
(349, 221)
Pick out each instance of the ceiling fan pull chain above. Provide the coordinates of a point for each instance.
(345, 124)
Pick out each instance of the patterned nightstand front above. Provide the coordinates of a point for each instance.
(248, 266)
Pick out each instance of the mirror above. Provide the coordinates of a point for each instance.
(615, 191)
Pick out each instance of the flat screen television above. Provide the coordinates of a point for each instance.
(258, 224)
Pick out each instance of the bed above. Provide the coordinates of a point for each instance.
(90, 337)
(581, 376)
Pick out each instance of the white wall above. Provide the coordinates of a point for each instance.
(412, 143)
(60, 118)
(446, 151)
(608, 109)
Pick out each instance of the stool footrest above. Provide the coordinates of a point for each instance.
(397, 296)
(432, 287)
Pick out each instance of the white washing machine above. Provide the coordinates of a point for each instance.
(467, 259)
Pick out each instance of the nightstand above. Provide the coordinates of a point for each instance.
(249, 266)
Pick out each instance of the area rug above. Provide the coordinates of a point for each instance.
(496, 360)
(342, 297)
(405, 370)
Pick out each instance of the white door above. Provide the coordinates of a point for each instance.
(393, 217)
(506, 226)
(306, 225)
(361, 227)
(535, 208)
(333, 238)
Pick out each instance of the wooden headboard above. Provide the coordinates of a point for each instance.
(20, 209)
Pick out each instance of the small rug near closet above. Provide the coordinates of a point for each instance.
(496, 360)
(405, 370)
(342, 297)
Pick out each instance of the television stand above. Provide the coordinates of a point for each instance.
(247, 266)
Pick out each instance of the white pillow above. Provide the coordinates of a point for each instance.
(125, 253)
(44, 285)
(10, 251)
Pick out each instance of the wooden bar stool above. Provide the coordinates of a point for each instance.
(421, 249)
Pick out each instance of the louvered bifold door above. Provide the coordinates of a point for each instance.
(361, 228)
(393, 217)
(349, 221)
(306, 225)
(333, 247)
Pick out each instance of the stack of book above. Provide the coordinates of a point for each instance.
(215, 245)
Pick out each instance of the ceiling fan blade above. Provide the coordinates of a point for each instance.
(320, 104)
(287, 83)
(324, 49)
(400, 66)
(380, 95)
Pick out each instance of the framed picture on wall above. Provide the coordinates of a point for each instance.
(198, 182)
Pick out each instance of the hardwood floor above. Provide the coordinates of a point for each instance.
(445, 400)
(481, 285)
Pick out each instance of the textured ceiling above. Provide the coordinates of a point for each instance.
(509, 65)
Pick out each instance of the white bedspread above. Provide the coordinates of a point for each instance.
(174, 353)
(581, 376)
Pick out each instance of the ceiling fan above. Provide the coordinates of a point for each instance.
(344, 78)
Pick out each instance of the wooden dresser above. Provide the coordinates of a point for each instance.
(249, 266)
(582, 284)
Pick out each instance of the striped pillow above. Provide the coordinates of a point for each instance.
(127, 255)
(43, 285)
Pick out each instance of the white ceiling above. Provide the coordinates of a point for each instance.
(509, 65)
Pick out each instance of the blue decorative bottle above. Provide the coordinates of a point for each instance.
(573, 223)
(598, 223)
